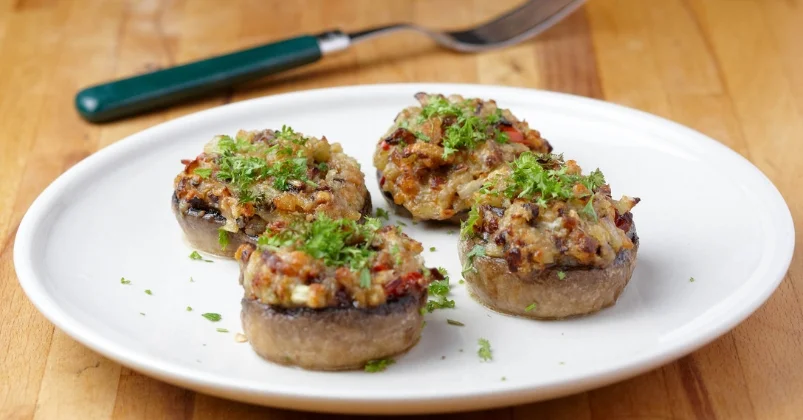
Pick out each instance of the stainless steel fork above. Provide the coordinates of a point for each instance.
(121, 98)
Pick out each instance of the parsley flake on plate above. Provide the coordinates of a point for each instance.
(198, 257)
(148, 292)
(374, 366)
(456, 323)
(222, 330)
(530, 307)
(485, 350)
(124, 281)
(212, 316)
(381, 213)
(438, 290)
(561, 275)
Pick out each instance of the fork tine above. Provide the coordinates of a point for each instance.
(528, 19)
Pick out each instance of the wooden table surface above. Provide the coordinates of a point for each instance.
(732, 69)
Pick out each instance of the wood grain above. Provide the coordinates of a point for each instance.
(732, 69)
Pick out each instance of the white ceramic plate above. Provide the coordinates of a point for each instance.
(705, 213)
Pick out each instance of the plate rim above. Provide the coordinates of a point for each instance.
(447, 400)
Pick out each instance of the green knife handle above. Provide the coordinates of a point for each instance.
(120, 98)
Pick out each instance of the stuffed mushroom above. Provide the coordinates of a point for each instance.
(333, 294)
(435, 156)
(545, 241)
(230, 193)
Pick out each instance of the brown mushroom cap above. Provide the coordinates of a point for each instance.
(581, 291)
(333, 338)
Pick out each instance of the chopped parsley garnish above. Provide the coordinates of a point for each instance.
(124, 281)
(501, 137)
(533, 177)
(561, 275)
(691, 279)
(202, 172)
(212, 316)
(338, 242)
(400, 223)
(588, 209)
(197, 257)
(461, 281)
(189, 308)
(477, 251)
(453, 322)
(287, 170)
(365, 278)
(287, 133)
(422, 136)
(467, 131)
(439, 106)
(381, 213)
(222, 330)
(222, 238)
(439, 287)
(243, 171)
(485, 350)
(148, 292)
(374, 366)
(284, 151)
(142, 313)
(496, 117)
(530, 307)
(467, 227)
(396, 253)
(226, 144)
(432, 249)
(438, 290)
